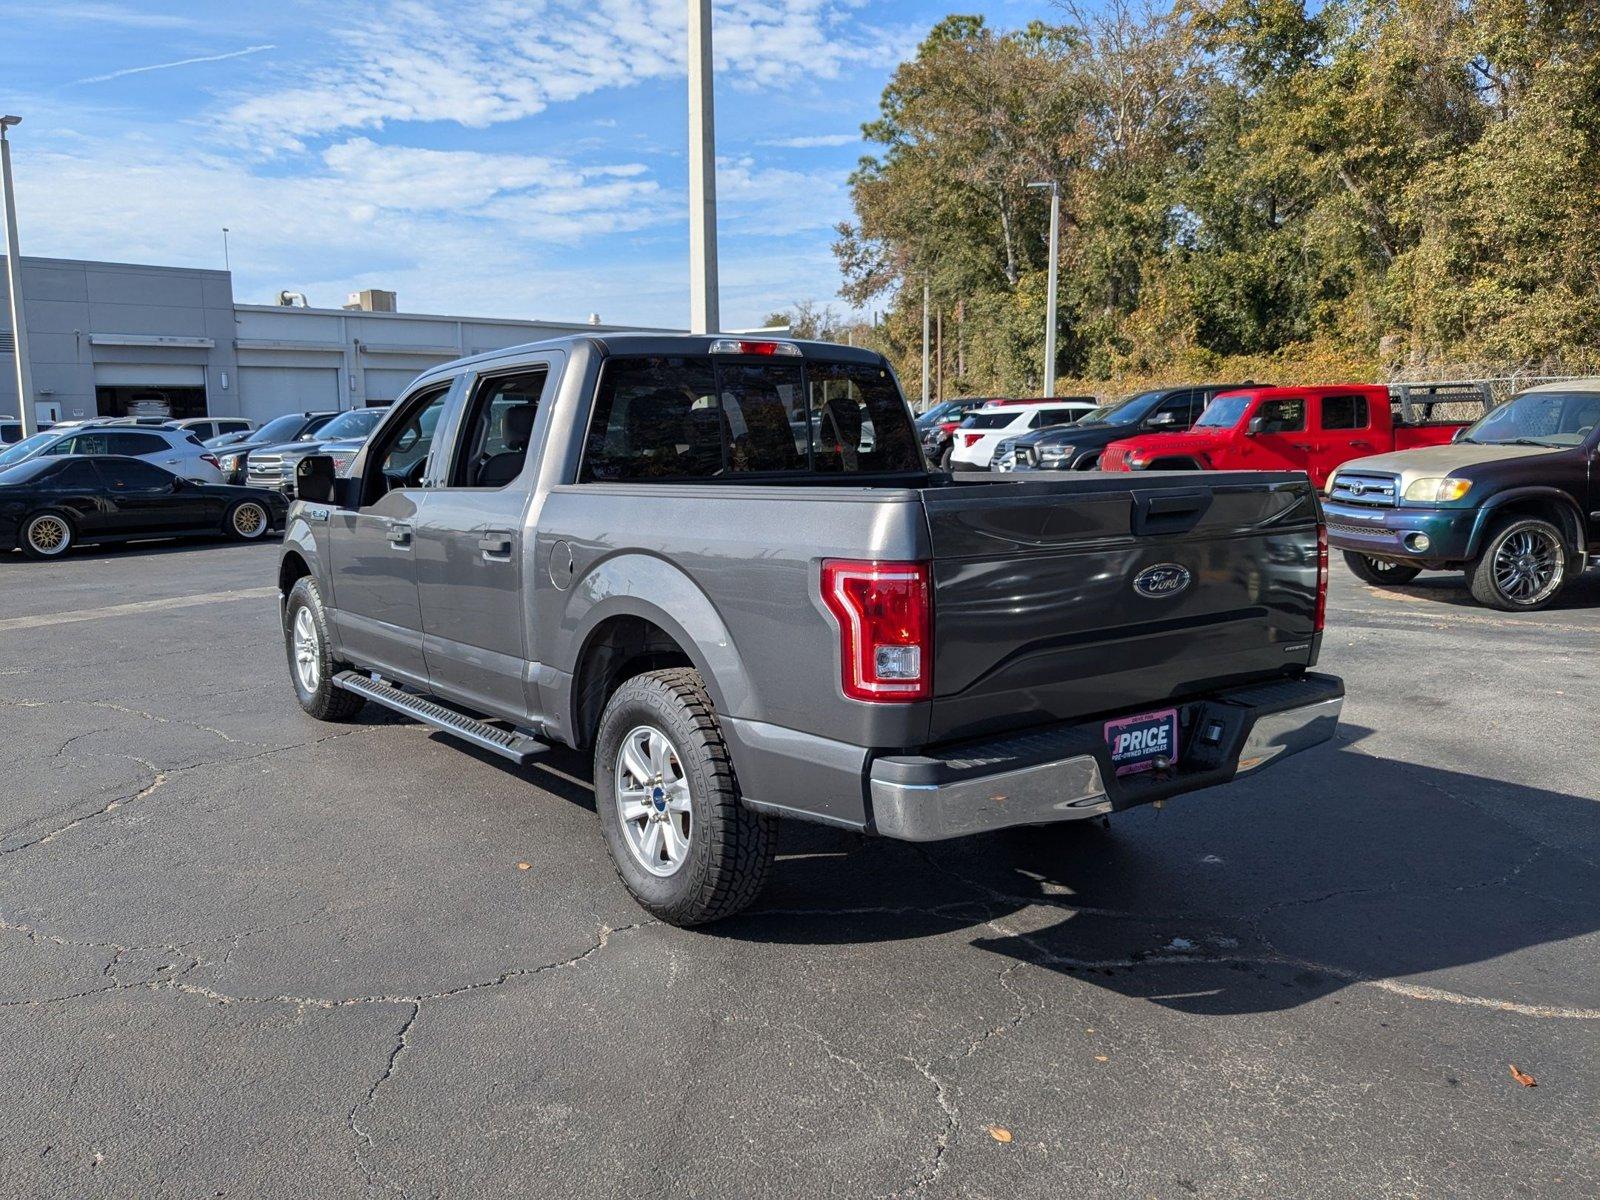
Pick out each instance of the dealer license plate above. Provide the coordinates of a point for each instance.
(1136, 742)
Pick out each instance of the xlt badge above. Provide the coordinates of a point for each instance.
(1163, 579)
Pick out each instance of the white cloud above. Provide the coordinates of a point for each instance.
(814, 142)
(418, 60)
(778, 200)
(181, 62)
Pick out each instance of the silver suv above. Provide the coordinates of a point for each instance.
(175, 450)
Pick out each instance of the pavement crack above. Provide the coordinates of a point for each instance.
(941, 1144)
(159, 781)
(363, 1144)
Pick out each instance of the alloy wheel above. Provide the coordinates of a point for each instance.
(652, 798)
(1527, 566)
(249, 520)
(48, 535)
(307, 651)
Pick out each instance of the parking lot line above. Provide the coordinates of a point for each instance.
(140, 606)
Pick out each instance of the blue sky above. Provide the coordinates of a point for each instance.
(503, 158)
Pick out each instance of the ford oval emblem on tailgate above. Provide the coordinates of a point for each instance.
(1163, 579)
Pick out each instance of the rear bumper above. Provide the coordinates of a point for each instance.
(1396, 533)
(1064, 772)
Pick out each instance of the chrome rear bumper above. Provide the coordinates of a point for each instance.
(1061, 773)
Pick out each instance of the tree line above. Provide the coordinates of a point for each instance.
(1368, 187)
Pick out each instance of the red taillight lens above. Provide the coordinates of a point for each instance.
(972, 438)
(212, 459)
(1322, 576)
(885, 615)
(948, 426)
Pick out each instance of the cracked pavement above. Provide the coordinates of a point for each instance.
(243, 953)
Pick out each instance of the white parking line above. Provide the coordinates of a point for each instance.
(140, 606)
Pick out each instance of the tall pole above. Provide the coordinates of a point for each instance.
(925, 292)
(1050, 299)
(227, 263)
(19, 316)
(703, 314)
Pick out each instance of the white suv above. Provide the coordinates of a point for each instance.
(974, 441)
(175, 450)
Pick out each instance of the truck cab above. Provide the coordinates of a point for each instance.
(1310, 429)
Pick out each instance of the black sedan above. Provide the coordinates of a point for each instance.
(48, 505)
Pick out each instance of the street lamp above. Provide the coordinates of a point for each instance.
(703, 314)
(1050, 300)
(19, 319)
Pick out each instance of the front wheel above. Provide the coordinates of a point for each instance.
(1522, 566)
(683, 843)
(311, 663)
(1379, 571)
(47, 534)
(247, 521)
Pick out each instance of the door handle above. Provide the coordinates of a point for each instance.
(400, 536)
(1301, 445)
(496, 543)
(1362, 445)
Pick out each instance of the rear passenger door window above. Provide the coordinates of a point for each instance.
(136, 445)
(655, 418)
(1344, 412)
(498, 430)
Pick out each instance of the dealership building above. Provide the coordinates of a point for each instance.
(117, 339)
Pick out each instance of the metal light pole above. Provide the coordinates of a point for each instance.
(1050, 300)
(925, 291)
(703, 314)
(227, 263)
(19, 317)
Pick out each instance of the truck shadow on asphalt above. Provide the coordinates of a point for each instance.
(1450, 588)
(1336, 869)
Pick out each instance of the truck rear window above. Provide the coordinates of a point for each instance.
(683, 418)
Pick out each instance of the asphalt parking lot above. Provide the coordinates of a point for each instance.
(246, 954)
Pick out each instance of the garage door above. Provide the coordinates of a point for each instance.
(152, 375)
(267, 392)
(385, 383)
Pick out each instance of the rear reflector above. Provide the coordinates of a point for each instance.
(1322, 577)
(885, 616)
(763, 349)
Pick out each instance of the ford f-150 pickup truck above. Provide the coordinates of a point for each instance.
(1310, 429)
(723, 567)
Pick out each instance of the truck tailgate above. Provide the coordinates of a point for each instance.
(1036, 610)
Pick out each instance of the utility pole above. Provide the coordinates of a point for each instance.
(19, 316)
(227, 264)
(1050, 300)
(925, 291)
(703, 314)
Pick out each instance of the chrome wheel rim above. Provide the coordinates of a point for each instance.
(652, 798)
(1527, 566)
(48, 535)
(307, 651)
(249, 520)
(1381, 567)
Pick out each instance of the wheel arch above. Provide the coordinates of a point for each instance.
(1174, 462)
(1552, 504)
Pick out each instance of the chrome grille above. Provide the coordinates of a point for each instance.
(264, 470)
(1355, 487)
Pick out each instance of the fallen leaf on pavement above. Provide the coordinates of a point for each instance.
(1523, 1077)
(1101, 1058)
(1000, 1133)
(522, 866)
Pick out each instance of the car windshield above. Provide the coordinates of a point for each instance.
(26, 448)
(1130, 410)
(1538, 419)
(26, 472)
(1223, 412)
(280, 429)
(356, 423)
(939, 412)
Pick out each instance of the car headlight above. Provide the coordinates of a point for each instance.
(1054, 453)
(1437, 490)
(1138, 458)
(230, 462)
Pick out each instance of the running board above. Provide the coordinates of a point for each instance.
(518, 747)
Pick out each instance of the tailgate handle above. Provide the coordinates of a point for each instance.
(1169, 512)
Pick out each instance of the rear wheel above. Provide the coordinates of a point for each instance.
(1380, 571)
(683, 843)
(48, 534)
(1522, 567)
(247, 521)
(311, 663)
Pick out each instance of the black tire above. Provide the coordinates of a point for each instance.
(944, 456)
(46, 534)
(1380, 572)
(1487, 575)
(729, 847)
(249, 532)
(322, 699)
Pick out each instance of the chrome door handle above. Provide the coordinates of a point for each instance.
(400, 537)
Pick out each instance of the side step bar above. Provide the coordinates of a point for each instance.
(518, 747)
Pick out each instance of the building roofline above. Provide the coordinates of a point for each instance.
(38, 260)
(576, 327)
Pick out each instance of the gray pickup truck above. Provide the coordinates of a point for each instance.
(723, 566)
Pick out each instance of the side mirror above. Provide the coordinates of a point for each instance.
(1162, 420)
(179, 484)
(1257, 424)
(314, 477)
(1460, 433)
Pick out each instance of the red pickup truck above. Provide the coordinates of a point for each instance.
(1310, 429)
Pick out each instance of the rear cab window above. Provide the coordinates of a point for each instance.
(664, 418)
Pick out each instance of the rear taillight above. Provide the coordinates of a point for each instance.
(1322, 577)
(972, 438)
(885, 615)
(212, 459)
